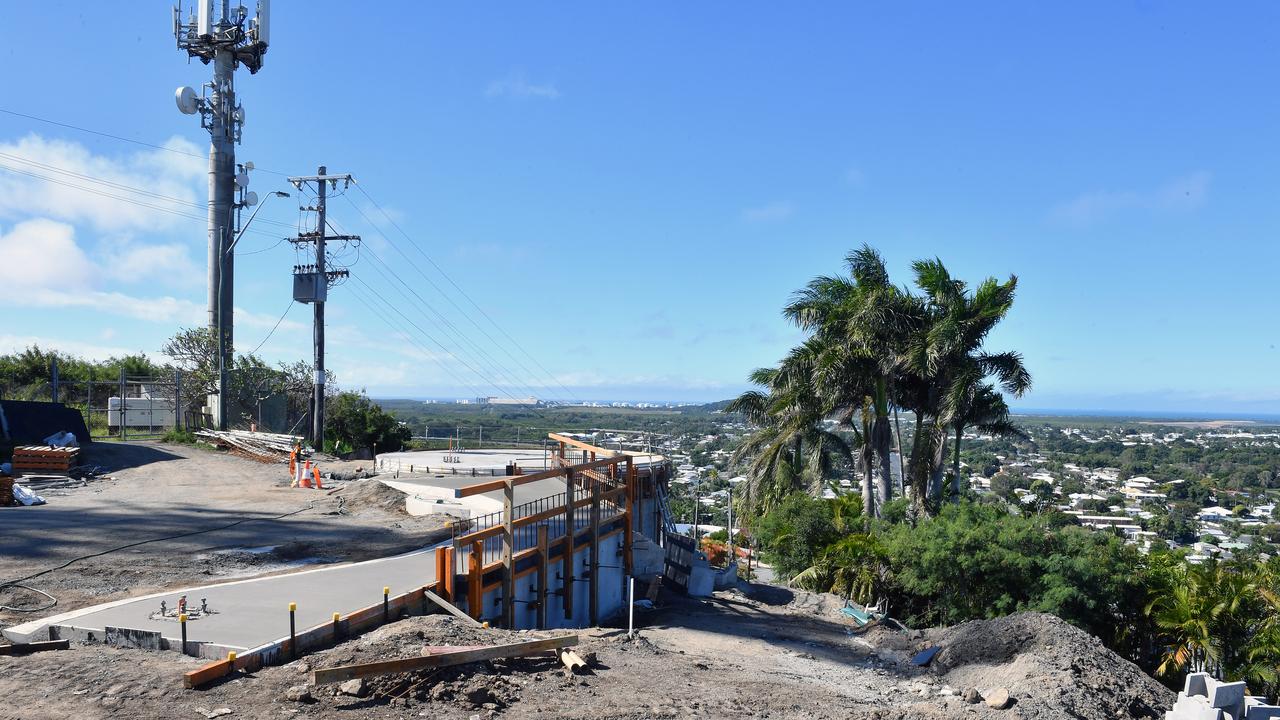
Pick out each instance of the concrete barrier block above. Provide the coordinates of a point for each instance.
(1196, 684)
(1194, 707)
(1257, 709)
(1225, 695)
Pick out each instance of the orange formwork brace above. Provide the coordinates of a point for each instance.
(475, 580)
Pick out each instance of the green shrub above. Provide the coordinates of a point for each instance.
(796, 532)
(180, 436)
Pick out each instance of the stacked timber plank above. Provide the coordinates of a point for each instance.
(45, 458)
(264, 447)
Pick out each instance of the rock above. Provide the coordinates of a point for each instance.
(972, 696)
(298, 693)
(998, 698)
(479, 696)
(354, 688)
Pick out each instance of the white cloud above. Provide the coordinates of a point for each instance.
(1180, 194)
(89, 351)
(132, 262)
(40, 254)
(81, 187)
(772, 212)
(164, 309)
(261, 321)
(516, 85)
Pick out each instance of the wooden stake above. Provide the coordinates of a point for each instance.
(475, 581)
(450, 574)
(449, 608)
(508, 553)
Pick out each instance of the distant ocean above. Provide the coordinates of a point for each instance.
(1269, 418)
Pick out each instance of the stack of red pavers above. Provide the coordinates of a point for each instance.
(6, 490)
(44, 458)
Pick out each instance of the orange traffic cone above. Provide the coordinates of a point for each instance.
(316, 472)
(306, 475)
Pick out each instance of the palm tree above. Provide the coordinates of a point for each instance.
(1184, 613)
(792, 448)
(859, 320)
(946, 365)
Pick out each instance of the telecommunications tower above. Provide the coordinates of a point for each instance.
(221, 33)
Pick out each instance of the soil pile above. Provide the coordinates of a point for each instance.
(1050, 669)
(459, 690)
(359, 495)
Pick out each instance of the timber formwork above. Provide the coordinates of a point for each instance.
(555, 541)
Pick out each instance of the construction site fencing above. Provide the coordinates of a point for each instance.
(118, 407)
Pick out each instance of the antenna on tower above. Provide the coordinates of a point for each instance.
(220, 32)
(220, 25)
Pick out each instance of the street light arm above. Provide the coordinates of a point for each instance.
(254, 214)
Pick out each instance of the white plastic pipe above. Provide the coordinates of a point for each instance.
(631, 606)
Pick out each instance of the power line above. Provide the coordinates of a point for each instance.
(121, 138)
(111, 183)
(513, 341)
(445, 324)
(408, 336)
(444, 349)
(493, 365)
(121, 198)
(273, 329)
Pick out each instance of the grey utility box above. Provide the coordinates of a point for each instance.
(310, 287)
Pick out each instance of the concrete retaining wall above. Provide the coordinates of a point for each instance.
(611, 590)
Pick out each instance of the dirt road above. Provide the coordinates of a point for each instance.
(256, 524)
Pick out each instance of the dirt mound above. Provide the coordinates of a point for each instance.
(1050, 668)
(360, 495)
(478, 686)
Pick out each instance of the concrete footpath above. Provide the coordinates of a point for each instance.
(245, 614)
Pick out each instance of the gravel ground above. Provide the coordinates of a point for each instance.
(153, 490)
(726, 657)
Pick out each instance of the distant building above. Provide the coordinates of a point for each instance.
(531, 401)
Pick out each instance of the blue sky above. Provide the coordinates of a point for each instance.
(631, 192)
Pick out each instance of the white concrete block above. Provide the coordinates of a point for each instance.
(1228, 696)
(1195, 684)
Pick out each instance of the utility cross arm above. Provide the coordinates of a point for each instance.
(317, 178)
(312, 237)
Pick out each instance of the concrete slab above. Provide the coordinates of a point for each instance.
(249, 613)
